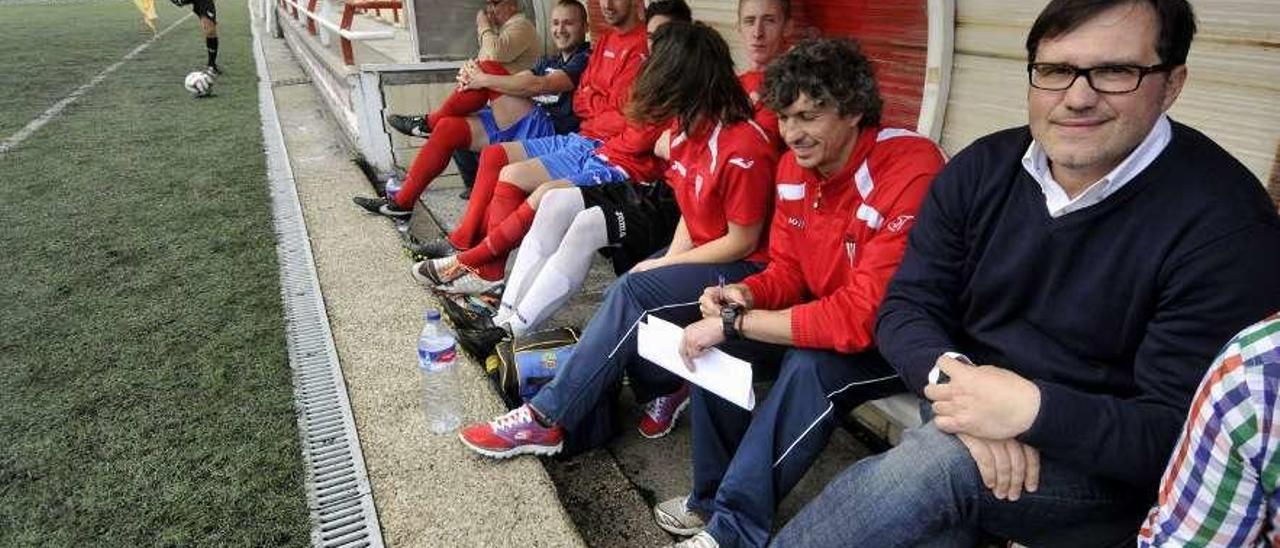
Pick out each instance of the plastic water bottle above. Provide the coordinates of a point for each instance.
(392, 188)
(437, 355)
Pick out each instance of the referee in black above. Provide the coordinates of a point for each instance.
(208, 14)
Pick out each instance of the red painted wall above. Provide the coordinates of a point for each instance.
(893, 33)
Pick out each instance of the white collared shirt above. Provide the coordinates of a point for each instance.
(1056, 199)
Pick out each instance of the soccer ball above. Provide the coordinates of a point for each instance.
(199, 83)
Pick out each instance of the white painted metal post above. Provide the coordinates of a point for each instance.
(372, 139)
(937, 76)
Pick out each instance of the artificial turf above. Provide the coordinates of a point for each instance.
(145, 393)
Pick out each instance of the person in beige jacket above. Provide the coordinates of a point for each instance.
(509, 44)
(507, 36)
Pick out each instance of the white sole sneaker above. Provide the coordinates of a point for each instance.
(543, 450)
(423, 279)
(675, 418)
(469, 284)
(387, 211)
(687, 525)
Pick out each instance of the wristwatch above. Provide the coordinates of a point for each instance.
(936, 376)
(729, 314)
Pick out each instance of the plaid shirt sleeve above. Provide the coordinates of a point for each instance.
(1219, 488)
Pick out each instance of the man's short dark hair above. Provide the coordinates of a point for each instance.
(577, 7)
(784, 4)
(830, 71)
(1177, 24)
(677, 10)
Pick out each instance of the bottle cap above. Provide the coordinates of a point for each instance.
(432, 315)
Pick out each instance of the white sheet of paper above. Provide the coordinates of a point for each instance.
(726, 376)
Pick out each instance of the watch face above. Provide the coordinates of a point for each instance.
(936, 376)
(729, 319)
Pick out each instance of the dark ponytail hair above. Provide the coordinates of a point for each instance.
(688, 76)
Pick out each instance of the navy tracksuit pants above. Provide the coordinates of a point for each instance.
(744, 463)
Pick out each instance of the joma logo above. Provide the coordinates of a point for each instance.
(622, 223)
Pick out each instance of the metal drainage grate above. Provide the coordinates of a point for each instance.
(338, 493)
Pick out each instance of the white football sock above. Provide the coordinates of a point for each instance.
(556, 212)
(563, 273)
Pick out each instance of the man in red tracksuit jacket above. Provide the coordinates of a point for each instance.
(848, 191)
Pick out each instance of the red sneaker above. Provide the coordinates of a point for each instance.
(516, 433)
(660, 414)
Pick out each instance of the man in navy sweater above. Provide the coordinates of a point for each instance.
(1062, 290)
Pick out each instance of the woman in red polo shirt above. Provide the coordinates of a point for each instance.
(721, 175)
(630, 223)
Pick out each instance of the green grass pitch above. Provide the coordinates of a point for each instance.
(145, 395)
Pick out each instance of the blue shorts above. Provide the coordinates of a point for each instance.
(573, 157)
(536, 124)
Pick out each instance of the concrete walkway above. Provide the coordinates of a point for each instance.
(429, 490)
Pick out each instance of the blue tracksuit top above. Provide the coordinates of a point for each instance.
(1114, 311)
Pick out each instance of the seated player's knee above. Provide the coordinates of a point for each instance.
(451, 125)
(802, 360)
(514, 150)
(524, 173)
(558, 201)
(580, 234)
(495, 154)
(535, 197)
(509, 172)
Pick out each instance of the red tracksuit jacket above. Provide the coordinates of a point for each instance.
(605, 85)
(836, 242)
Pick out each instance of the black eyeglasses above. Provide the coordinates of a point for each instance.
(1103, 78)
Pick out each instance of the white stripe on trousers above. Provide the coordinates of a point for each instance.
(824, 414)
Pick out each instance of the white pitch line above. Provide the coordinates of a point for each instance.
(17, 138)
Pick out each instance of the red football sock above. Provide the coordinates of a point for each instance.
(447, 135)
(509, 219)
(463, 102)
(471, 227)
(491, 271)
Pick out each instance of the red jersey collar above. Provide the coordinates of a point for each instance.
(861, 149)
(639, 30)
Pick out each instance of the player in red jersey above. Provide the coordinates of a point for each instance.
(722, 176)
(629, 222)
(506, 196)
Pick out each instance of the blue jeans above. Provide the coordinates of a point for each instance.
(744, 464)
(580, 397)
(927, 492)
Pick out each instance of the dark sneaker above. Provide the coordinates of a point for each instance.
(413, 126)
(213, 70)
(479, 343)
(434, 249)
(463, 317)
(660, 414)
(382, 207)
(516, 433)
